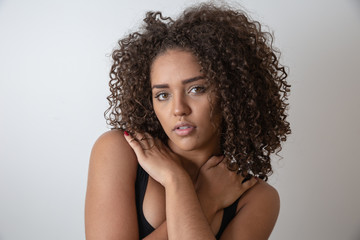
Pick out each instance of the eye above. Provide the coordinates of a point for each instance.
(197, 89)
(162, 96)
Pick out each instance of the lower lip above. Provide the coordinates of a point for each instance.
(184, 132)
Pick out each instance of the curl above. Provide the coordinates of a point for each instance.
(238, 59)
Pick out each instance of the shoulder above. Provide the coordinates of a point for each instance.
(111, 152)
(263, 199)
(112, 144)
(110, 195)
(112, 140)
(257, 212)
(263, 193)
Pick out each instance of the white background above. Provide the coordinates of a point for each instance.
(54, 64)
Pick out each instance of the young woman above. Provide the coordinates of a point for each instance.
(198, 105)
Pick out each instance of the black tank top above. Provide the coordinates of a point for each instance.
(144, 226)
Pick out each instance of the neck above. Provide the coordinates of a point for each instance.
(193, 160)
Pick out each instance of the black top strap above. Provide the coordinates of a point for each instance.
(140, 188)
(229, 214)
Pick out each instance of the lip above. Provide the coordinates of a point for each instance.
(186, 131)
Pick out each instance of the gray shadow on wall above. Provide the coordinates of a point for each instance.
(357, 5)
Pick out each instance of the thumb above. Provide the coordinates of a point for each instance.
(213, 161)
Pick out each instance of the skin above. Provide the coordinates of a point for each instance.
(188, 176)
(180, 95)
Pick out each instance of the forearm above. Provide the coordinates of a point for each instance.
(184, 214)
(208, 208)
(160, 233)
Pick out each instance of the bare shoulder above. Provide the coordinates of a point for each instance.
(263, 193)
(110, 195)
(262, 199)
(113, 141)
(112, 148)
(256, 215)
(112, 162)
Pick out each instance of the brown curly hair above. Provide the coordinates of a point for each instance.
(236, 57)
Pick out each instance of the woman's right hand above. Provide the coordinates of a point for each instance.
(217, 187)
(154, 157)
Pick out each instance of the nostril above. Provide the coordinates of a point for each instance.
(181, 106)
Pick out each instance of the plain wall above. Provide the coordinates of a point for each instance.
(54, 64)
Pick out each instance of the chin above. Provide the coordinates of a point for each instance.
(184, 145)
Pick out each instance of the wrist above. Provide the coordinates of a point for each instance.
(176, 178)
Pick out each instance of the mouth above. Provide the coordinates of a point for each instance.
(184, 128)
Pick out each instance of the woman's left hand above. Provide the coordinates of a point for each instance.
(154, 157)
(217, 187)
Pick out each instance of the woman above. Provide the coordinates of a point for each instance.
(199, 106)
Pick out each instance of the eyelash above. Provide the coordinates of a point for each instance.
(157, 96)
(202, 90)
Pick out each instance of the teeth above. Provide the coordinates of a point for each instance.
(184, 127)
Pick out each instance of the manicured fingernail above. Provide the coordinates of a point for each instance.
(126, 133)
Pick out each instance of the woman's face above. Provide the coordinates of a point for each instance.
(181, 99)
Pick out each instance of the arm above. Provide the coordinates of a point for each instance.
(257, 212)
(257, 209)
(183, 209)
(110, 192)
(110, 199)
(184, 216)
(176, 210)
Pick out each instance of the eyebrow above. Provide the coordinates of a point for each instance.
(183, 82)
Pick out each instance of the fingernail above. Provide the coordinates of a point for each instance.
(126, 133)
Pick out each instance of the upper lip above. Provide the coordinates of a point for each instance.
(182, 124)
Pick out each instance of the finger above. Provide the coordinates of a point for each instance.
(134, 144)
(246, 177)
(243, 176)
(242, 173)
(150, 140)
(213, 161)
(249, 183)
(141, 138)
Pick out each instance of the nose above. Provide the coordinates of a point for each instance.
(181, 106)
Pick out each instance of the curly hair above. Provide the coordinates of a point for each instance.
(236, 57)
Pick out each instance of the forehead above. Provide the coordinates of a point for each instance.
(174, 65)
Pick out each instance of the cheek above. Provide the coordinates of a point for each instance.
(159, 113)
(156, 108)
(206, 109)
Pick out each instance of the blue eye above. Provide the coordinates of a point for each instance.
(162, 96)
(197, 89)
